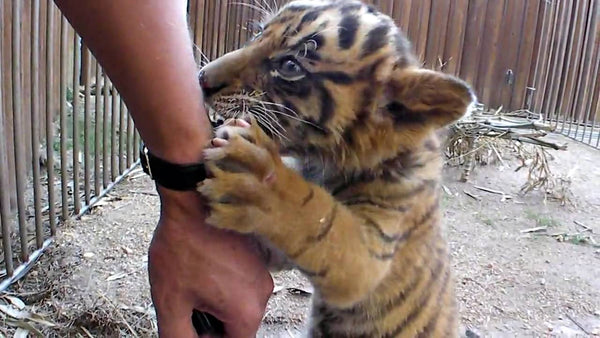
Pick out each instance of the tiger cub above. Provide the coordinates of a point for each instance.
(335, 85)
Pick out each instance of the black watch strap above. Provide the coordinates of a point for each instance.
(169, 175)
(174, 176)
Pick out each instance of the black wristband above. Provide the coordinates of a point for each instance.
(169, 175)
(174, 176)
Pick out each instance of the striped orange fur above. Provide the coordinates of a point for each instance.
(334, 85)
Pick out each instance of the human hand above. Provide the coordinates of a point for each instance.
(194, 266)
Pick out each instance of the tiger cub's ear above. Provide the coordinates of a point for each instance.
(421, 97)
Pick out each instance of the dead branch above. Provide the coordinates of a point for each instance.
(473, 196)
(578, 324)
(585, 227)
(536, 229)
(484, 136)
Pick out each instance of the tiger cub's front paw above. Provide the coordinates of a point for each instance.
(241, 165)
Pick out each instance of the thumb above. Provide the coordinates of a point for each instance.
(247, 320)
(237, 330)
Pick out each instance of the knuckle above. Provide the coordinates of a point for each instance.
(253, 314)
(225, 131)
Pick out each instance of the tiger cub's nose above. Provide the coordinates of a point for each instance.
(209, 89)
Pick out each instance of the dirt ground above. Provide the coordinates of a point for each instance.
(512, 281)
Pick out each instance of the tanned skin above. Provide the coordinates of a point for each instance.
(144, 47)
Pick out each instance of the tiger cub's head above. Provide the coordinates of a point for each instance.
(335, 77)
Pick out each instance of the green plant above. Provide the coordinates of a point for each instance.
(542, 220)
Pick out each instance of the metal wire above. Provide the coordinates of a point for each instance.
(97, 130)
(18, 130)
(114, 148)
(87, 60)
(105, 130)
(64, 45)
(62, 140)
(5, 216)
(76, 111)
(22, 270)
(50, 114)
(35, 121)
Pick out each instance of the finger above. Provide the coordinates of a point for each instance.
(236, 330)
(175, 324)
(243, 318)
(218, 142)
(240, 155)
(237, 123)
(227, 122)
(241, 123)
(248, 321)
(230, 131)
(173, 310)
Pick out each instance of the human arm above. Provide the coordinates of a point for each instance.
(144, 47)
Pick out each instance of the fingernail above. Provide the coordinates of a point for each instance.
(243, 123)
(270, 178)
(219, 142)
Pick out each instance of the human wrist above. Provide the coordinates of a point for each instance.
(180, 206)
(183, 147)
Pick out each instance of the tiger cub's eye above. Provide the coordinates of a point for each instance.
(289, 68)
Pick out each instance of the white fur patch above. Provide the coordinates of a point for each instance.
(313, 3)
(471, 107)
(292, 163)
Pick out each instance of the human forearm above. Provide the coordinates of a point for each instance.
(144, 46)
(155, 79)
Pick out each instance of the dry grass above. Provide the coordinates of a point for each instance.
(540, 176)
(484, 137)
(45, 304)
(92, 282)
(72, 293)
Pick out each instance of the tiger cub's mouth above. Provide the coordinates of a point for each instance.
(249, 105)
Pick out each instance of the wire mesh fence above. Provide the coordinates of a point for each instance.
(567, 84)
(66, 135)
